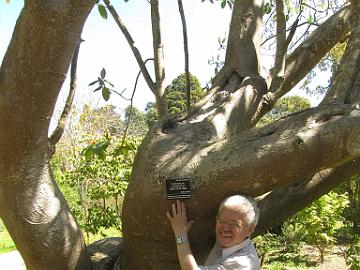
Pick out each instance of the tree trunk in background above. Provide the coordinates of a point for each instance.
(33, 71)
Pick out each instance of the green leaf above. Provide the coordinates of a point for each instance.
(98, 88)
(310, 20)
(92, 83)
(102, 11)
(106, 93)
(103, 73)
(267, 8)
(223, 3)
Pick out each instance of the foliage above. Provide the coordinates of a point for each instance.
(223, 3)
(6, 243)
(92, 166)
(284, 107)
(318, 223)
(351, 213)
(352, 254)
(100, 179)
(103, 84)
(150, 114)
(137, 121)
(176, 95)
(283, 247)
(94, 122)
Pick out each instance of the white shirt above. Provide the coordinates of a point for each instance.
(241, 256)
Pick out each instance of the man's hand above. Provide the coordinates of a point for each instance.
(178, 219)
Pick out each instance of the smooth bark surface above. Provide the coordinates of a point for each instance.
(33, 70)
(222, 152)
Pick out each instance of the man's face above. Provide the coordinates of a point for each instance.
(231, 228)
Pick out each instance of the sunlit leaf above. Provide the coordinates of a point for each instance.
(106, 93)
(103, 12)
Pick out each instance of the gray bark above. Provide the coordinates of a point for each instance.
(222, 152)
(33, 71)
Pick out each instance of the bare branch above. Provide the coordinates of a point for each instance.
(59, 130)
(161, 101)
(131, 105)
(186, 52)
(279, 67)
(315, 47)
(131, 43)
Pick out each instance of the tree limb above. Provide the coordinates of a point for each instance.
(32, 73)
(186, 52)
(297, 196)
(345, 86)
(131, 43)
(59, 130)
(161, 101)
(281, 47)
(308, 54)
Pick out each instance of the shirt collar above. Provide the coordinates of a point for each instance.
(228, 251)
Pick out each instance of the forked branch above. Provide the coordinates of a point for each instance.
(315, 47)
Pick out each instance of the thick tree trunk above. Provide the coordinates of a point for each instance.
(32, 73)
(222, 153)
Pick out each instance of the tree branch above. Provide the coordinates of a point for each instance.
(32, 73)
(161, 101)
(242, 53)
(303, 138)
(186, 52)
(59, 130)
(345, 86)
(297, 196)
(308, 54)
(279, 68)
(131, 43)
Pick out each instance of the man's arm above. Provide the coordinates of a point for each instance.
(181, 226)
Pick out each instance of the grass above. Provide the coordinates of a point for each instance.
(6, 242)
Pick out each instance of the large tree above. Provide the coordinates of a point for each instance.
(286, 164)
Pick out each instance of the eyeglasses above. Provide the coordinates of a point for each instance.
(232, 223)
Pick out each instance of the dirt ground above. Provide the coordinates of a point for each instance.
(333, 259)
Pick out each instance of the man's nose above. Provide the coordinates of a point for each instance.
(227, 227)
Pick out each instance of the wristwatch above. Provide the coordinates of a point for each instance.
(181, 239)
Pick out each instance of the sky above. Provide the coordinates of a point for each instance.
(104, 46)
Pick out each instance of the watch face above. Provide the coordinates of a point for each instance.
(180, 239)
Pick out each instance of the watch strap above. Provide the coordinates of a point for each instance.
(181, 239)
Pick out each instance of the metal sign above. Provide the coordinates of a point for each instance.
(178, 188)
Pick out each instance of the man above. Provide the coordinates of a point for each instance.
(236, 221)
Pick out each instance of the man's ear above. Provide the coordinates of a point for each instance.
(251, 229)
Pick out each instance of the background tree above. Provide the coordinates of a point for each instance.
(176, 95)
(286, 164)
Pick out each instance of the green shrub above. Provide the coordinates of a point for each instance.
(318, 223)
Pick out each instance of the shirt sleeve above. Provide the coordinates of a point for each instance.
(243, 262)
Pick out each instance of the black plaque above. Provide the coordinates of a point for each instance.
(178, 188)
